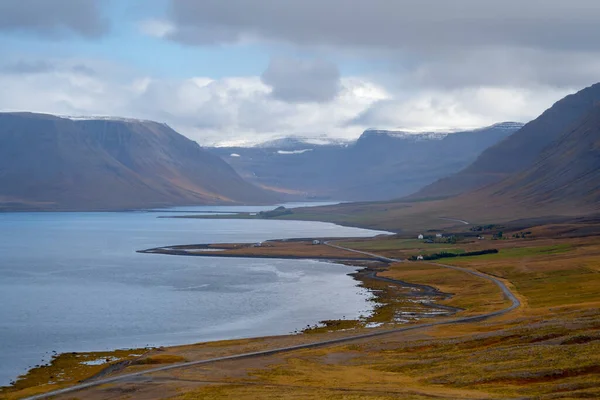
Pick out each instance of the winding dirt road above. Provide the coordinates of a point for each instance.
(515, 303)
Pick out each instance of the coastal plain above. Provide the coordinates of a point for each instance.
(547, 348)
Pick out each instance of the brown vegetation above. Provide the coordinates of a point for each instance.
(274, 248)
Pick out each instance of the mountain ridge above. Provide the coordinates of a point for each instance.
(374, 167)
(50, 162)
(521, 148)
(568, 170)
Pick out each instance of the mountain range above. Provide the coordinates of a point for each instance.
(379, 165)
(50, 162)
(550, 168)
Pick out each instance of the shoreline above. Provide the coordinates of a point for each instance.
(364, 275)
(160, 250)
(329, 336)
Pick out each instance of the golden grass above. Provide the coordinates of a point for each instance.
(160, 359)
(300, 249)
(65, 370)
(473, 294)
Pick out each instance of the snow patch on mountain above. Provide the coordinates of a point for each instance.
(437, 135)
(108, 118)
(407, 135)
(293, 151)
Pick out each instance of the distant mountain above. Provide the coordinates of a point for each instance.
(49, 162)
(379, 165)
(519, 151)
(299, 143)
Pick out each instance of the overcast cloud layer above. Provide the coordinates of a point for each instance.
(53, 18)
(422, 26)
(417, 65)
(301, 81)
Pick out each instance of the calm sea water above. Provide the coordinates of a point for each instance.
(73, 282)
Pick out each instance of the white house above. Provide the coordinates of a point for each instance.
(439, 235)
(316, 242)
(419, 258)
(421, 237)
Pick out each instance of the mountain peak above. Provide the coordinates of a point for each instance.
(506, 125)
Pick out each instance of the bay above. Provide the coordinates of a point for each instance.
(74, 282)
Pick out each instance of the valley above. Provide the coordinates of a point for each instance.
(328, 200)
(379, 165)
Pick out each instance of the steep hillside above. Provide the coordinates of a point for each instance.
(520, 150)
(48, 162)
(379, 165)
(566, 172)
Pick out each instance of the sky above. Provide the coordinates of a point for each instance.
(226, 72)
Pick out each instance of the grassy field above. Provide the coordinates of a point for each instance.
(394, 244)
(65, 370)
(273, 248)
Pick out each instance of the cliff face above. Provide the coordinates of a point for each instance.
(48, 162)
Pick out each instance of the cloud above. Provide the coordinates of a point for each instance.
(241, 110)
(459, 108)
(25, 67)
(506, 67)
(156, 28)
(301, 81)
(233, 109)
(426, 43)
(53, 18)
(424, 25)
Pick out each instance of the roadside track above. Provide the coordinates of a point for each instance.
(515, 303)
(462, 221)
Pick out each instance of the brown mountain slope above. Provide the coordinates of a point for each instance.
(519, 151)
(566, 173)
(47, 162)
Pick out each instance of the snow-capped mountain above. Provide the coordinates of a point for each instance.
(438, 135)
(379, 165)
(299, 143)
